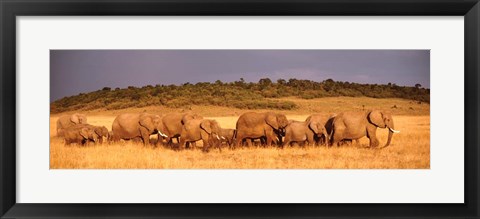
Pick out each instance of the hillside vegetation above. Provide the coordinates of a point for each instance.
(239, 94)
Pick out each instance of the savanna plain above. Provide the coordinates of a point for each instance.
(410, 149)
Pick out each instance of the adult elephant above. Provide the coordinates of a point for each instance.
(252, 125)
(206, 130)
(355, 125)
(132, 125)
(321, 126)
(173, 123)
(67, 121)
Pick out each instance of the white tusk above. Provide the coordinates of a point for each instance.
(223, 138)
(394, 131)
(217, 137)
(161, 134)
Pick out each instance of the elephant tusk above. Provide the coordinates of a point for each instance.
(161, 134)
(393, 130)
(223, 138)
(217, 137)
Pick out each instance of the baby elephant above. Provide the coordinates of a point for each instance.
(100, 131)
(201, 129)
(298, 132)
(79, 135)
(227, 136)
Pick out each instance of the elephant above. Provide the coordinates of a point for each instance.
(206, 130)
(321, 125)
(173, 123)
(131, 125)
(298, 131)
(79, 135)
(355, 125)
(67, 121)
(100, 131)
(110, 135)
(227, 136)
(253, 125)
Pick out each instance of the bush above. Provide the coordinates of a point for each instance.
(238, 94)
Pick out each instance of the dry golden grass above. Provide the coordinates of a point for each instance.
(323, 105)
(409, 149)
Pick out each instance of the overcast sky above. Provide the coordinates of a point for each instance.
(76, 71)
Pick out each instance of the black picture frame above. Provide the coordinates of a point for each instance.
(9, 208)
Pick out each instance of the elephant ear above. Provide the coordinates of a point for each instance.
(308, 118)
(271, 120)
(376, 118)
(98, 131)
(146, 121)
(314, 127)
(185, 118)
(84, 133)
(101, 131)
(83, 119)
(205, 125)
(74, 119)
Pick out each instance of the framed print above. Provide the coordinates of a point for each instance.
(239, 109)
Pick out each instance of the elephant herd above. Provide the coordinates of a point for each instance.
(268, 127)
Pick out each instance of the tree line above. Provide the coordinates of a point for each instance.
(237, 94)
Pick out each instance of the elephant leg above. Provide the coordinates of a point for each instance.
(243, 142)
(181, 144)
(170, 142)
(145, 136)
(321, 140)
(114, 138)
(372, 135)
(229, 143)
(337, 137)
(206, 145)
(263, 140)
(217, 143)
(287, 140)
(238, 140)
(160, 140)
(310, 140)
(250, 142)
(269, 140)
(193, 145)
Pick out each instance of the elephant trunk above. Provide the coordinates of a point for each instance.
(391, 130)
(390, 134)
(327, 139)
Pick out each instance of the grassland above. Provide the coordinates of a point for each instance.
(409, 149)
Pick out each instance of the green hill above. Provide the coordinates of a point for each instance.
(238, 94)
